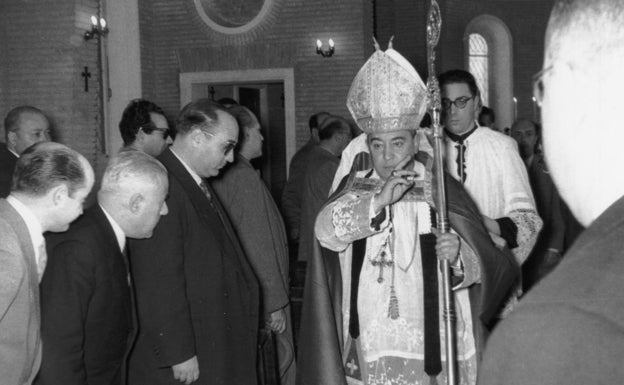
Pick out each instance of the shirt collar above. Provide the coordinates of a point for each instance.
(462, 137)
(196, 177)
(13, 152)
(119, 233)
(32, 223)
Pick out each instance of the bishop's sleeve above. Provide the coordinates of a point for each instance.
(348, 219)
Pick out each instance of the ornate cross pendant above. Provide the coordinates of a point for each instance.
(382, 262)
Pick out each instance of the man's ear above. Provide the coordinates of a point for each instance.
(196, 136)
(12, 138)
(140, 136)
(478, 104)
(59, 194)
(136, 203)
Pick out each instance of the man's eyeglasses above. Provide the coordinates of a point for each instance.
(166, 132)
(227, 146)
(460, 102)
(538, 85)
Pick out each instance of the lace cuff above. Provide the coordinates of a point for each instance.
(529, 225)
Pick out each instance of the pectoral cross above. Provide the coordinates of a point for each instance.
(352, 366)
(86, 75)
(382, 262)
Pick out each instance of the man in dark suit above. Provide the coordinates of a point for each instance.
(23, 127)
(570, 328)
(50, 185)
(87, 306)
(196, 293)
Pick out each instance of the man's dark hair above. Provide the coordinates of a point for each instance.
(201, 114)
(136, 116)
(332, 126)
(459, 76)
(11, 121)
(313, 122)
(43, 166)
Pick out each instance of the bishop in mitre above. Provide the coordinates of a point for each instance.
(381, 224)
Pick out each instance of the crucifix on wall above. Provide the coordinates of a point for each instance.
(86, 75)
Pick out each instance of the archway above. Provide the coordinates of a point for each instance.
(500, 44)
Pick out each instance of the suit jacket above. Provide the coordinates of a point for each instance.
(260, 228)
(552, 236)
(7, 166)
(317, 182)
(293, 190)
(196, 293)
(570, 328)
(20, 341)
(87, 312)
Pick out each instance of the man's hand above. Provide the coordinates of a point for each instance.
(499, 242)
(187, 371)
(491, 225)
(395, 187)
(447, 247)
(277, 321)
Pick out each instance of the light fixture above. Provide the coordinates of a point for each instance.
(322, 52)
(98, 28)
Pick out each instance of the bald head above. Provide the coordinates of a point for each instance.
(581, 88)
(25, 126)
(133, 192)
(207, 136)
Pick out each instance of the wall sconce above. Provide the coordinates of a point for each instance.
(97, 28)
(322, 52)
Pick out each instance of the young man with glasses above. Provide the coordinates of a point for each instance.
(489, 166)
(144, 127)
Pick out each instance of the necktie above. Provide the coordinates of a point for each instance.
(204, 187)
(206, 191)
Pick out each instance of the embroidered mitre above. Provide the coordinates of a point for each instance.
(387, 94)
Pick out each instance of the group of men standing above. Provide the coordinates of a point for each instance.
(158, 281)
